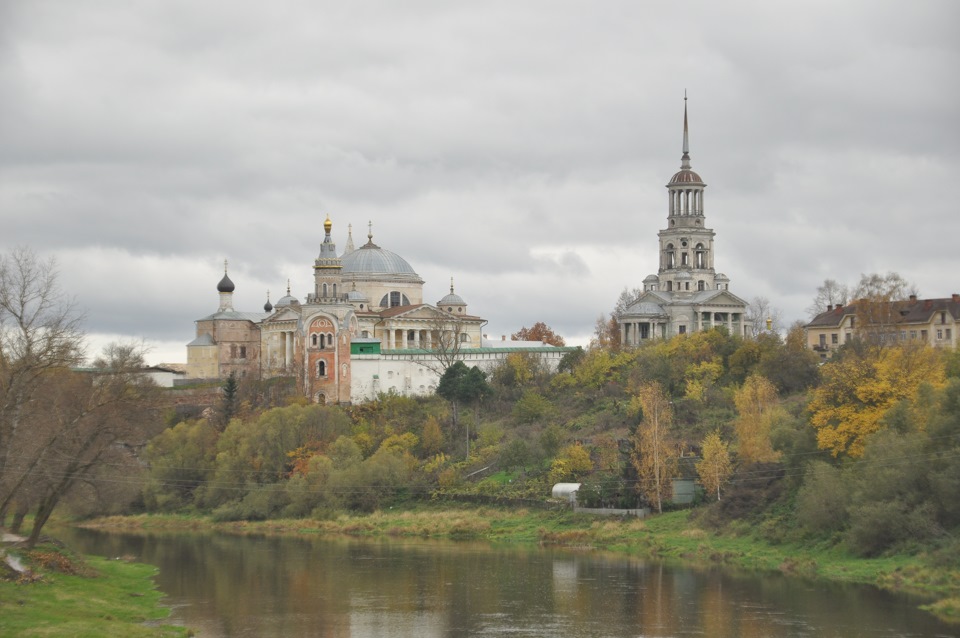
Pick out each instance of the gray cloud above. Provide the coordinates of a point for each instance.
(521, 148)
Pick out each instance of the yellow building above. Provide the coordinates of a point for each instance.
(932, 321)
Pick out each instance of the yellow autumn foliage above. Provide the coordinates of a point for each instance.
(857, 390)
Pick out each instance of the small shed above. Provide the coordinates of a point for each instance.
(566, 492)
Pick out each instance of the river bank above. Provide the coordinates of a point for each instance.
(57, 593)
(672, 536)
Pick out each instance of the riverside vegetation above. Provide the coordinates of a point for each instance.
(847, 469)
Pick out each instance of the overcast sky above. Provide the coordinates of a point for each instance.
(521, 147)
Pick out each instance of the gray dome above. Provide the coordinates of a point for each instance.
(721, 277)
(286, 300)
(356, 295)
(225, 284)
(371, 259)
(651, 279)
(452, 299)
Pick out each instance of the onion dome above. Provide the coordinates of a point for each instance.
(268, 307)
(225, 284)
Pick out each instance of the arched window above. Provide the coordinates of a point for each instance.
(324, 290)
(334, 290)
(321, 398)
(313, 340)
(330, 341)
(393, 299)
(701, 285)
(321, 368)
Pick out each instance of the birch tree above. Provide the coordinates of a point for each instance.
(653, 456)
(756, 403)
(715, 467)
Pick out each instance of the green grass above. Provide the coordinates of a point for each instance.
(94, 597)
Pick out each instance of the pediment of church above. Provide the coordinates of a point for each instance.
(722, 298)
(282, 316)
(647, 304)
(421, 312)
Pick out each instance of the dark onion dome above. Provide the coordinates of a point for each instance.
(225, 284)
(268, 307)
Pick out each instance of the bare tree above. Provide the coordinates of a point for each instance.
(879, 301)
(88, 425)
(449, 332)
(760, 311)
(626, 298)
(829, 294)
(39, 332)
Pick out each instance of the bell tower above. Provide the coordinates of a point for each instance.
(327, 268)
(686, 244)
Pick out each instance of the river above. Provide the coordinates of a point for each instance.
(223, 585)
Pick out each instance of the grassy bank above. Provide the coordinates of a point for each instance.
(65, 595)
(670, 537)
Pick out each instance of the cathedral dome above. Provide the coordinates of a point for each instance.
(685, 176)
(371, 259)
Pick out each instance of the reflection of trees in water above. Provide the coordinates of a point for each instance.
(286, 586)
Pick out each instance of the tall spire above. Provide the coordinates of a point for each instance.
(685, 159)
(349, 247)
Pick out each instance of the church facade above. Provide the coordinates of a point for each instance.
(364, 329)
(687, 294)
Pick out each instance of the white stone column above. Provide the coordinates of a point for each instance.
(390, 337)
(416, 338)
(429, 339)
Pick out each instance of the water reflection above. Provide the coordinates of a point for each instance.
(226, 585)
